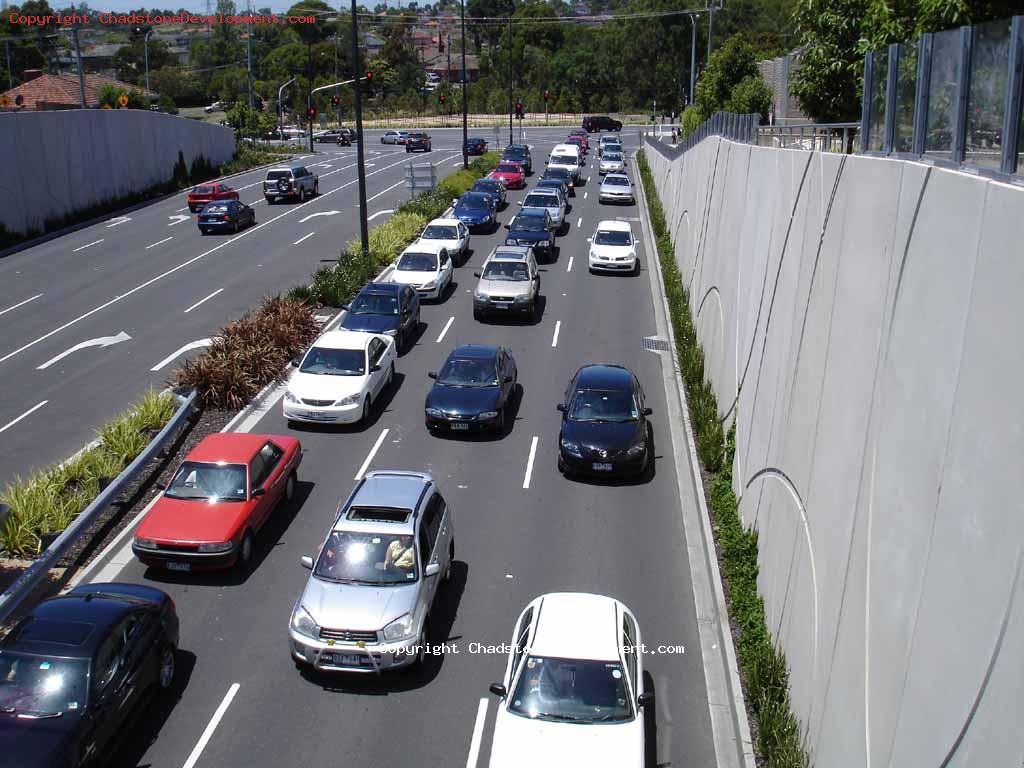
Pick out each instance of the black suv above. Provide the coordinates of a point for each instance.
(600, 123)
(519, 153)
(417, 141)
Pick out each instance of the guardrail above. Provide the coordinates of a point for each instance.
(813, 137)
(728, 125)
(27, 583)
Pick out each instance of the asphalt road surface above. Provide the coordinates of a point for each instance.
(521, 530)
(152, 277)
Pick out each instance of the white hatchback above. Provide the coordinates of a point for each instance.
(340, 377)
(426, 266)
(451, 234)
(613, 247)
(573, 691)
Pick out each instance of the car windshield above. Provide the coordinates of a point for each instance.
(208, 482)
(612, 237)
(367, 558)
(417, 135)
(506, 271)
(375, 304)
(529, 224)
(556, 173)
(571, 690)
(475, 141)
(275, 175)
(334, 362)
(613, 157)
(506, 168)
(474, 200)
(563, 160)
(487, 185)
(540, 201)
(440, 232)
(216, 208)
(41, 686)
(617, 181)
(604, 405)
(202, 190)
(461, 372)
(418, 262)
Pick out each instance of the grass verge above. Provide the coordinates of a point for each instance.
(763, 668)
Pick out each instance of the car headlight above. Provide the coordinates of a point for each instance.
(145, 544)
(289, 397)
(303, 623)
(350, 400)
(593, 255)
(570, 447)
(399, 629)
(488, 415)
(392, 332)
(637, 449)
(220, 546)
(479, 296)
(429, 286)
(524, 299)
(437, 413)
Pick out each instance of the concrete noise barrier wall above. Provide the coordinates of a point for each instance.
(58, 163)
(862, 320)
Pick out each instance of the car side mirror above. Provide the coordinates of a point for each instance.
(257, 492)
(375, 367)
(431, 374)
(508, 379)
(295, 362)
(432, 569)
(520, 202)
(307, 562)
(560, 407)
(499, 690)
(647, 411)
(345, 307)
(508, 226)
(645, 699)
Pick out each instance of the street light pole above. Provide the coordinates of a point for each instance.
(693, 53)
(465, 107)
(309, 97)
(10, 77)
(280, 109)
(364, 236)
(145, 51)
(248, 56)
(510, 77)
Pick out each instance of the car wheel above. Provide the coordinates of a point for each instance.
(381, 139)
(421, 650)
(366, 411)
(270, 200)
(302, 194)
(391, 376)
(636, 267)
(499, 427)
(289, 488)
(451, 558)
(245, 551)
(166, 676)
(400, 340)
(235, 227)
(316, 188)
(535, 311)
(477, 314)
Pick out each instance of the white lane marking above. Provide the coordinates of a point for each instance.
(385, 191)
(27, 413)
(178, 219)
(569, 268)
(380, 213)
(194, 259)
(478, 734)
(90, 245)
(585, 195)
(203, 300)
(554, 339)
(579, 222)
(118, 220)
(187, 348)
(159, 242)
(20, 304)
(182, 209)
(304, 237)
(373, 452)
(445, 329)
(304, 219)
(211, 726)
(529, 463)
(101, 342)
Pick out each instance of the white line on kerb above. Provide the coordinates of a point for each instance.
(29, 412)
(304, 237)
(202, 300)
(373, 452)
(20, 304)
(569, 268)
(379, 213)
(159, 242)
(529, 464)
(211, 726)
(554, 339)
(478, 733)
(585, 195)
(82, 248)
(445, 329)
(579, 222)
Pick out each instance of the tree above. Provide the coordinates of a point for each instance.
(750, 95)
(108, 96)
(130, 60)
(828, 80)
(732, 65)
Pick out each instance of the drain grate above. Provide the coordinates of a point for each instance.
(655, 344)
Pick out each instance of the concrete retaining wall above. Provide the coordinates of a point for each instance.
(862, 319)
(57, 163)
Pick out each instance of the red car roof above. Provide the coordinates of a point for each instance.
(231, 447)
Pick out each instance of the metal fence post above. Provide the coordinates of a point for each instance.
(1014, 88)
(922, 92)
(962, 93)
(891, 83)
(865, 105)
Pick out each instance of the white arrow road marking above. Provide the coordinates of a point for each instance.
(27, 413)
(20, 304)
(102, 341)
(158, 242)
(178, 219)
(304, 237)
(201, 301)
(82, 248)
(380, 213)
(187, 348)
(314, 215)
(118, 220)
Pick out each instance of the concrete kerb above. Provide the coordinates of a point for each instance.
(727, 708)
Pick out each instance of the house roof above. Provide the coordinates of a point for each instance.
(63, 89)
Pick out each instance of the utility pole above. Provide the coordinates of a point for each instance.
(449, 83)
(145, 52)
(337, 92)
(309, 97)
(81, 73)
(465, 107)
(711, 25)
(280, 107)
(693, 53)
(248, 55)
(10, 77)
(364, 236)
(510, 77)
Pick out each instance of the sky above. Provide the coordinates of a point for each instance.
(198, 6)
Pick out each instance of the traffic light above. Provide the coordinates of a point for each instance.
(335, 99)
(519, 110)
(311, 113)
(441, 98)
(369, 75)
(547, 95)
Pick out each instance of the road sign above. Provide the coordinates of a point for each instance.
(5, 100)
(420, 177)
(122, 100)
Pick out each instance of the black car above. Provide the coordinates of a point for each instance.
(476, 146)
(225, 216)
(559, 184)
(473, 391)
(417, 141)
(76, 670)
(562, 174)
(518, 153)
(532, 229)
(387, 308)
(491, 187)
(604, 424)
(600, 123)
(328, 136)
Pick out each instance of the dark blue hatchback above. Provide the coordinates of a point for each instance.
(388, 308)
(225, 216)
(477, 210)
(474, 390)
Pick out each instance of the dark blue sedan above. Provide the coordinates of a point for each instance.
(226, 216)
(491, 187)
(533, 229)
(474, 390)
(476, 146)
(388, 308)
(477, 210)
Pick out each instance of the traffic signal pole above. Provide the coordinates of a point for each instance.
(465, 107)
(364, 236)
(510, 140)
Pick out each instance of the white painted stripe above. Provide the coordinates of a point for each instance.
(118, 562)
(200, 344)
(383, 191)
(20, 304)
(159, 242)
(529, 463)
(211, 726)
(478, 734)
(380, 213)
(203, 300)
(445, 329)
(569, 268)
(27, 413)
(304, 237)
(554, 339)
(90, 245)
(182, 209)
(373, 452)
(579, 222)
(585, 195)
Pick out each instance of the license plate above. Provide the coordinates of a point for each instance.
(499, 305)
(179, 566)
(602, 467)
(457, 425)
(344, 659)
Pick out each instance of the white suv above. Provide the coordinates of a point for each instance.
(451, 234)
(426, 266)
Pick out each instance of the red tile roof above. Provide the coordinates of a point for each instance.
(63, 90)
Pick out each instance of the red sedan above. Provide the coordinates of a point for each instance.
(511, 175)
(579, 141)
(208, 193)
(217, 501)
(579, 133)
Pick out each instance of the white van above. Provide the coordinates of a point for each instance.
(566, 156)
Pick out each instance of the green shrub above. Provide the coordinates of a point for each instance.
(155, 409)
(123, 438)
(387, 240)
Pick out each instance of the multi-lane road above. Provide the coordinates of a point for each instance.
(523, 529)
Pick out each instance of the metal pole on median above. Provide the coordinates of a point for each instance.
(364, 236)
(280, 109)
(510, 77)
(309, 98)
(248, 56)
(465, 107)
(145, 53)
(693, 54)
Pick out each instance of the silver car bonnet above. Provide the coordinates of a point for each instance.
(357, 606)
(504, 287)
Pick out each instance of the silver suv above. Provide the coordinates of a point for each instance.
(290, 182)
(365, 607)
(509, 282)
